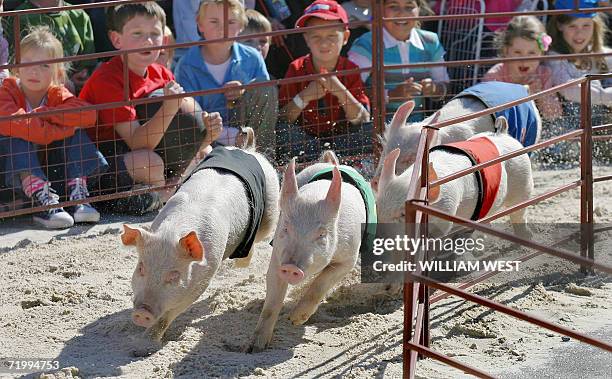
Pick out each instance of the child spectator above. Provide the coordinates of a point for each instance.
(139, 153)
(331, 110)
(571, 34)
(405, 42)
(39, 88)
(257, 23)
(580, 33)
(166, 56)
(229, 64)
(73, 27)
(526, 37)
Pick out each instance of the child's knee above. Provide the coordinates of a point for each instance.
(145, 166)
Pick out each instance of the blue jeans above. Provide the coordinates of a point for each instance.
(293, 141)
(74, 157)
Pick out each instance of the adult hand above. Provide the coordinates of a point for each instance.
(233, 94)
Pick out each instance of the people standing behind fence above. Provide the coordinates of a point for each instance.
(404, 43)
(572, 34)
(73, 28)
(70, 156)
(332, 110)
(148, 144)
(525, 36)
(229, 64)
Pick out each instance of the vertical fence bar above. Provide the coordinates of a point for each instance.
(424, 289)
(377, 74)
(17, 38)
(586, 175)
(225, 18)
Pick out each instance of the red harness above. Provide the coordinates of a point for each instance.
(481, 150)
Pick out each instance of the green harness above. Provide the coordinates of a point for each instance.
(353, 177)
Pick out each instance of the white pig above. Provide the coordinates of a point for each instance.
(202, 224)
(318, 236)
(406, 136)
(459, 197)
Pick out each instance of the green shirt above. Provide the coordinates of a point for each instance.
(73, 29)
(353, 177)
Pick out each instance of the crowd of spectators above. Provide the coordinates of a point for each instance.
(146, 146)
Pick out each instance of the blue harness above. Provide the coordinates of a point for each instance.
(522, 118)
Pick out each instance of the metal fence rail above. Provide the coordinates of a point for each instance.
(416, 293)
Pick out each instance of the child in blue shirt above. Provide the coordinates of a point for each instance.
(405, 43)
(225, 65)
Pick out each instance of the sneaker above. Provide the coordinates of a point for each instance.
(56, 218)
(82, 212)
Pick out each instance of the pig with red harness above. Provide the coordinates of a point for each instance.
(472, 196)
(524, 122)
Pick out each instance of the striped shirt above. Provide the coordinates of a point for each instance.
(421, 47)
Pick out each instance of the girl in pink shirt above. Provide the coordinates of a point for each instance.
(526, 37)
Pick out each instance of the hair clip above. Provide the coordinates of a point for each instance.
(544, 41)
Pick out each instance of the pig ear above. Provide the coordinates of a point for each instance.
(330, 157)
(501, 125)
(131, 236)
(434, 193)
(401, 115)
(289, 189)
(192, 245)
(388, 170)
(334, 193)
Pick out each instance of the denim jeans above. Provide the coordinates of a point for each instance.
(73, 157)
(293, 141)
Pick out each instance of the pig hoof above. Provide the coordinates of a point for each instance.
(255, 347)
(299, 317)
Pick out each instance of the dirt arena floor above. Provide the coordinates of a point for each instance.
(68, 298)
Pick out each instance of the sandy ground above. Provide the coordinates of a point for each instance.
(68, 298)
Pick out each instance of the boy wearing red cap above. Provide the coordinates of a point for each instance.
(326, 111)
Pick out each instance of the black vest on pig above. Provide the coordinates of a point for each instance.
(249, 171)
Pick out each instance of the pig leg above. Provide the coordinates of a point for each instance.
(519, 190)
(276, 290)
(317, 290)
(246, 261)
(157, 331)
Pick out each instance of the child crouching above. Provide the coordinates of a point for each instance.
(70, 154)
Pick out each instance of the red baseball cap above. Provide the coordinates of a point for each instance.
(323, 9)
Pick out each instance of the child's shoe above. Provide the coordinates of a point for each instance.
(83, 212)
(56, 218)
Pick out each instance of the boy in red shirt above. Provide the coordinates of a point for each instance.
(327, 111)
(154, 150)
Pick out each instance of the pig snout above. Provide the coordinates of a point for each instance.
(142, 316)
(290, 273)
